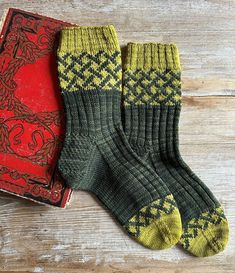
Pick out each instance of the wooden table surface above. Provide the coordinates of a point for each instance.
(85, 237)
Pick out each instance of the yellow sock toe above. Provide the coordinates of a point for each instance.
(157, 225)
(207, 235)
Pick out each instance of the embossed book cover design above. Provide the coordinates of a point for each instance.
(31, 109)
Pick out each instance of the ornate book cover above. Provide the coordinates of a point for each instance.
(31, 109)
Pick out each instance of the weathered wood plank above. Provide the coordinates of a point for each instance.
(202, 118)
(204, 32)
(86, 237)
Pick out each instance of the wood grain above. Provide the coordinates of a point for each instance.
(85, 238)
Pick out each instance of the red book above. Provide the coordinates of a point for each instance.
(31, 108)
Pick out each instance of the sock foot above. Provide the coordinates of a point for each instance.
(157, 225)
(207, 235)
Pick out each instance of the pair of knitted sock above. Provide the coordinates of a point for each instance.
(131, 162)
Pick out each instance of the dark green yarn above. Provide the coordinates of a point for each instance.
(152, 132)
(97, 156)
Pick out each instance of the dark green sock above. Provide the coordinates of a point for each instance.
(96, 155)
(152, 102)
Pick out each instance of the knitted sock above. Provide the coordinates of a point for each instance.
(96, 155)
(152, 102)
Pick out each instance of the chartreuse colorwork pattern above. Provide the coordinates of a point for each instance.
(154, 80)
(208, 229)
(85, 71)
(152, 104)
(152, 88)
(151, 223)
(96, 155)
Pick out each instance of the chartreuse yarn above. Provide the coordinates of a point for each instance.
(152, 105)
(96, 155)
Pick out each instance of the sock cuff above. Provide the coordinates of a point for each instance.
(152, 75)
(154, 56)
(89, 39)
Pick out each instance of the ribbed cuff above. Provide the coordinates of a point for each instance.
(152, 56)
(89, 39)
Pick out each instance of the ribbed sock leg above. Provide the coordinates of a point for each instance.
(96, 155)
(152, 102)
